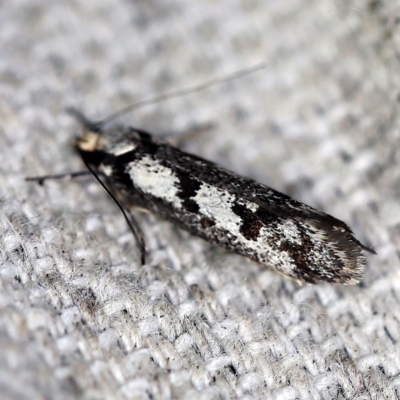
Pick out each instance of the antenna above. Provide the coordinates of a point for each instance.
(189, 90)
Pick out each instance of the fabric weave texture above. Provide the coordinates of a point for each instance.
(80, 318)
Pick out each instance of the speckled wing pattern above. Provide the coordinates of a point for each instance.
(224, 208)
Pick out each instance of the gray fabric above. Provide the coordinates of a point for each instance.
(80, 318)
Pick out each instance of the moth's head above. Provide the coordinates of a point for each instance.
(88, 141)
(112, 141)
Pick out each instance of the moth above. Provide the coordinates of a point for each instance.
(222, 207)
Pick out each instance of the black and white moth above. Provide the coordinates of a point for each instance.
(220, 206)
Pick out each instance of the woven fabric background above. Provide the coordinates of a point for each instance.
(79, 317)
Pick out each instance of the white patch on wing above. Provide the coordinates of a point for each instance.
(248, 204)
(290, 232)
(122, 148)
(217, 204)
(155, 179)
(106, 169)
(252, 206)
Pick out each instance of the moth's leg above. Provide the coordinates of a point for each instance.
(131, 221)
(70, 175)
(129, 218)
(137, 233)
